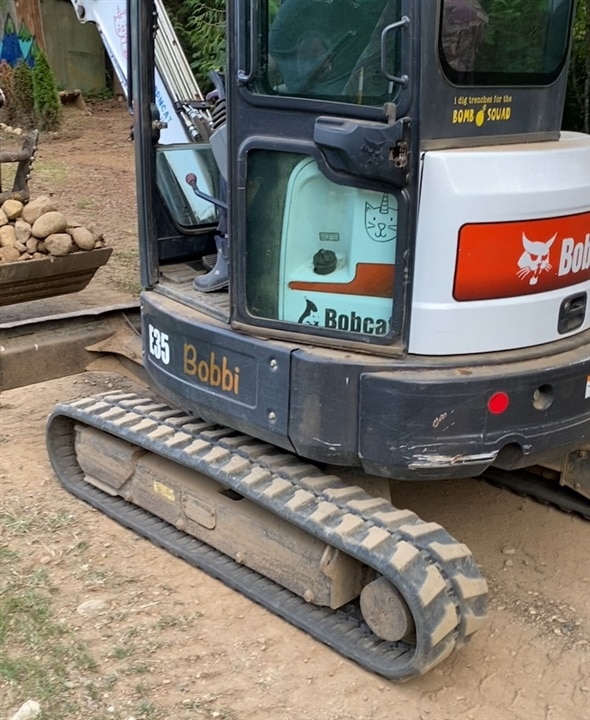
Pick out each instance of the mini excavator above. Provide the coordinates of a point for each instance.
(401, 268)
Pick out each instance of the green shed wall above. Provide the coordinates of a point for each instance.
(75, 51)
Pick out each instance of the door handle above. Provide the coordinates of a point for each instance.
(251, 64)
(402, 24)
(372, 150)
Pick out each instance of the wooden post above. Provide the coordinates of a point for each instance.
(29, 13)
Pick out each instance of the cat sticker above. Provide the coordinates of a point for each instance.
(381, 221)
(535, 259)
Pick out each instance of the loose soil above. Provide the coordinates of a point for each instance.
(162, 640)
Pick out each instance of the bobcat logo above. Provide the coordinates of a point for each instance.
(372, 151)
(535, 259)
(310, 314)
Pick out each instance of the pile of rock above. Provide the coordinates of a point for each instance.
(37, 230)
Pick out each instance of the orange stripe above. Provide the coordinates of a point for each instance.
(493, 263)
(370, 280)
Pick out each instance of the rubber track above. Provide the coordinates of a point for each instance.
(436, 574)
(545, 491)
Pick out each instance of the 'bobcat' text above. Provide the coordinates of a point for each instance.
(575, 256)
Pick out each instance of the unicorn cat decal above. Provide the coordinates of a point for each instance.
(535, 259)
(381, 221)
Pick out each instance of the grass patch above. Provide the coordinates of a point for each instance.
(121, 652)
(50, 172)
(58, 521)
(85, 203)
(148, 711)
(38, 654)
(17, 524)
(7, 556)
(208, 709)
(139, 668)
(177, 621)
(27, 520)
(98, 96)
(78, 547)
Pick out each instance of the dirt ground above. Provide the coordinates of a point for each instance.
(162, 640)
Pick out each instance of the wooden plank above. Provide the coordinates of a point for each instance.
(28, 12)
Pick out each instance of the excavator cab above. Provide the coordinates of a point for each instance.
(332, 106)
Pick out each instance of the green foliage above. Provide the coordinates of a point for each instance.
(206, 27)
(200, 26)
(576, 113)
(31, 95)
(7, 83)
(23, 96)
(513, 45)
(17, 85)
(515, 38)
(47, 104)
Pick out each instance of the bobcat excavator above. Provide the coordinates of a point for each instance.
(408, 239)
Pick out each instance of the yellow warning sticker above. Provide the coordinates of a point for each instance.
(482, 109)
(168, 492)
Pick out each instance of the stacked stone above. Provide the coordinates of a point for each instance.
(37, 230)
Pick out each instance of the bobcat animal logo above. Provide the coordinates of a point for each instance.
(310, 314)
(535, 259)
(372, 151)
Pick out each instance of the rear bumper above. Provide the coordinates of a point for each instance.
(424, 424)
(408, 418)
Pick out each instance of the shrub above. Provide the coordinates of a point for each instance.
(23, 96)
(47, 103)
(6, 83)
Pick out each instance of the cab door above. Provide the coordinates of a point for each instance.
(322, 167)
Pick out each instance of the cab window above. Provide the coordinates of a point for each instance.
(329, 50)
(494, 42)
(318, 254)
